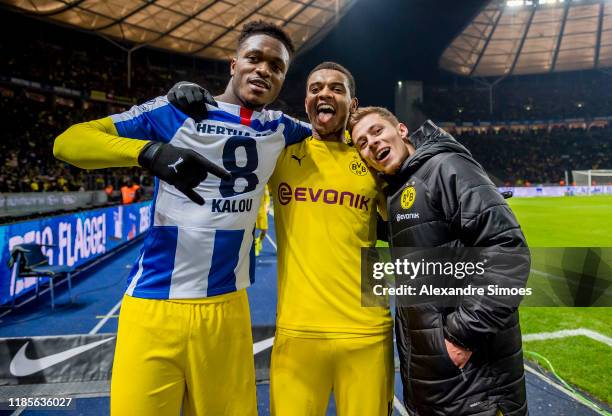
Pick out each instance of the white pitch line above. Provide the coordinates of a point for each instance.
(105, 319)
(543, 336)
(18, 411)
(561, 389)
(400, 407)
(271, 241)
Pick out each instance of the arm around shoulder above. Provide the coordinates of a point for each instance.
(97, 145)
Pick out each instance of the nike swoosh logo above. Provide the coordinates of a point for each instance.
(22, 366)
(260, 346)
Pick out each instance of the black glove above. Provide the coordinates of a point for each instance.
(183, 168)
(191, 99)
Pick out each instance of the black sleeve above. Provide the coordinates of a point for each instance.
(483, 219)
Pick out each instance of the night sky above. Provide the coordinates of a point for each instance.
(384, 41)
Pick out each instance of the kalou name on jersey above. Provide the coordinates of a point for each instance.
(194, 251)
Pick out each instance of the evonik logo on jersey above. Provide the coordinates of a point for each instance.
(326, 196)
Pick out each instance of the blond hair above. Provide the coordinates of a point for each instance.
(362, 112)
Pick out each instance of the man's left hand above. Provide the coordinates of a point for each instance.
(191, 99)
(458, 355)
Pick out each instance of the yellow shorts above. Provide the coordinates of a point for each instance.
(358, 370)
(194, 355)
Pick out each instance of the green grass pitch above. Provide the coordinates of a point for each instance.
(570, 222)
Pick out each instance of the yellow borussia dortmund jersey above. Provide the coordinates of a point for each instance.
(325, 203)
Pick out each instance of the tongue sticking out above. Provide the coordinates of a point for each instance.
(324, 117)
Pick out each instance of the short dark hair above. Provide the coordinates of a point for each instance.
(336, 67)
(261, 27)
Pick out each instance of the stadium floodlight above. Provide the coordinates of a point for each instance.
(592, 177)
(523, 37)
(518, 3)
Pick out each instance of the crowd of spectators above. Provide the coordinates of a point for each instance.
(539, 156)
(514, 157)
(538, 97)
(64, 58)
(34, 117)
(33, 120)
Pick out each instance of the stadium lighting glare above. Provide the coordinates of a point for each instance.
(518, 3)
(399, 84)
(522, 37)
(460, 110)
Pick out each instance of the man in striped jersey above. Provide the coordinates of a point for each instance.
(184, 330)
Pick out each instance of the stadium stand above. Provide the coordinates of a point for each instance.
(27, 166)
(537, 97)
(48, 86)
(539, 156)
(62, 87)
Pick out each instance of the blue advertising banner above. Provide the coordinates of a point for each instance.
(73, 239)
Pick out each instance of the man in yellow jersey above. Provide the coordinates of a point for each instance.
(184, 343)
(325, 208)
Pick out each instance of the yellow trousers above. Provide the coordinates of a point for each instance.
(194, 355)
(359, 371)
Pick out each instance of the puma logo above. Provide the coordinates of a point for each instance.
(299, 159)
(175, 164)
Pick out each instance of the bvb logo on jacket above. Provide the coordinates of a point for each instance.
(408, 197)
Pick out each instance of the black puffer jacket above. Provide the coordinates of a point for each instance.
(457, 206)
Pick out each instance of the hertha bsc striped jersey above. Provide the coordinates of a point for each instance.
(194, 251)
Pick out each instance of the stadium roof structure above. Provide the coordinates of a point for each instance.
(204, 28)
(519, 37)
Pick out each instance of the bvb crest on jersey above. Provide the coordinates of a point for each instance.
(358, 167)
(408, 197)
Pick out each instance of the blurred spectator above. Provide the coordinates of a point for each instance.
(130, 192)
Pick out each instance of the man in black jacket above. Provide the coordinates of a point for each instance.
(466, 359)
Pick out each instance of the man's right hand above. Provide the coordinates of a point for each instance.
(183, 168)
(191, 99)
(458, 355)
